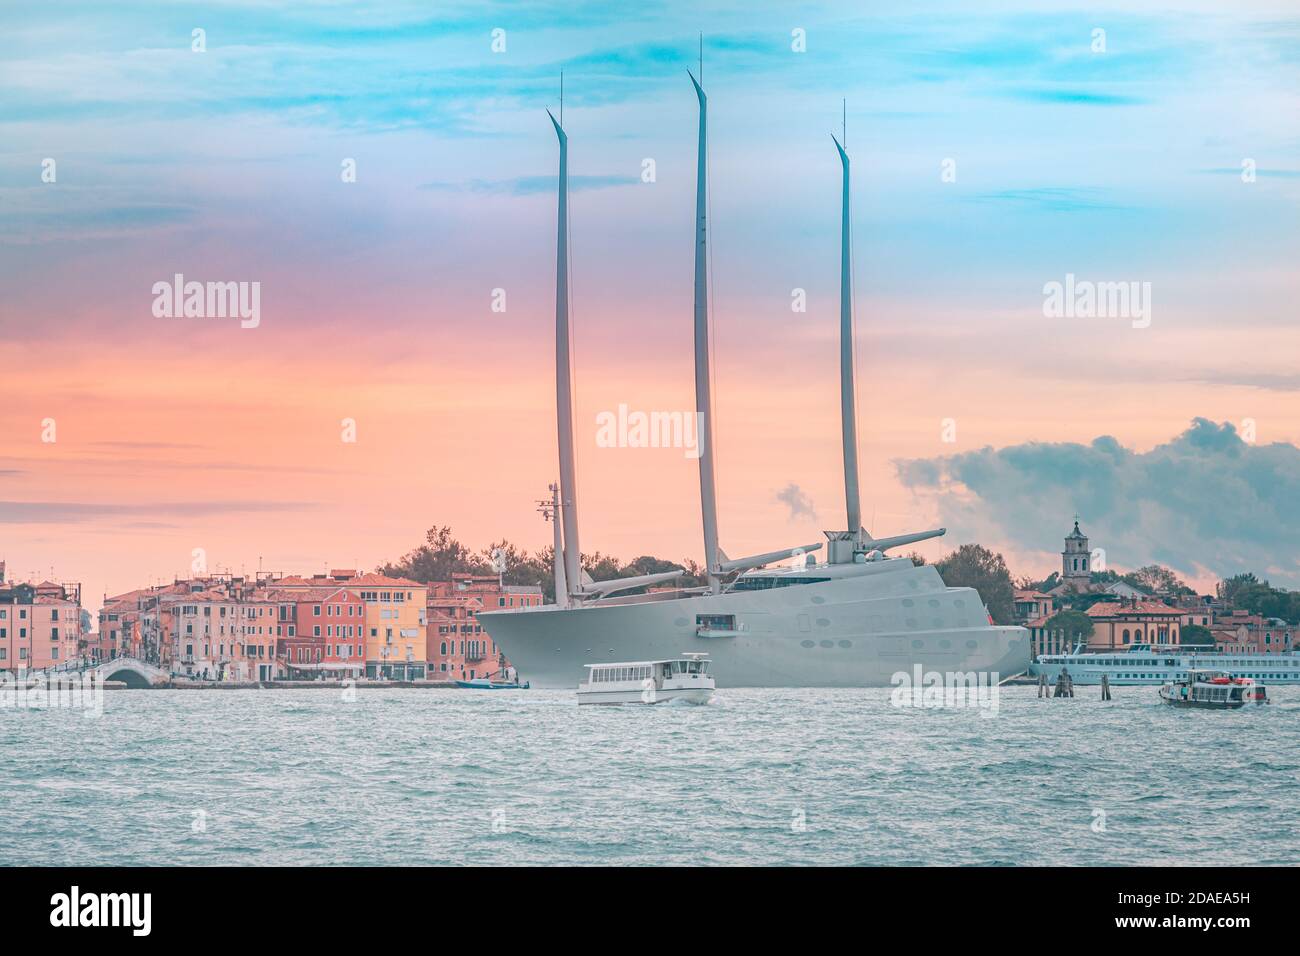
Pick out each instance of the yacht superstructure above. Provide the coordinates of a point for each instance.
(853, 621)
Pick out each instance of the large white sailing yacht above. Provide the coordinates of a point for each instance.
(769, 620)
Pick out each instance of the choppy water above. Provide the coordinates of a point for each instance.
(420, 777)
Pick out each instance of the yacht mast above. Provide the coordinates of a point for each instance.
(568, 515)
(848, 394)
(703, 392)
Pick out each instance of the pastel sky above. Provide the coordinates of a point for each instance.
(1124, 165)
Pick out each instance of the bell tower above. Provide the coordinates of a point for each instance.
(1076, 558)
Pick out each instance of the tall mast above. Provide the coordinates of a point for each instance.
(703, 391)
(564, 376)
(848, 402)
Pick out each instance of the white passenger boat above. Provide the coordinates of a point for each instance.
(1213, 690)
(648, 682)
(1158, 664)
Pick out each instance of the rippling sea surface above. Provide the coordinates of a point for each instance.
(405, 776)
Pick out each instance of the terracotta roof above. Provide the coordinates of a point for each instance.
(382, 581)
(298, 581)
(1116, 609)
(308, 594)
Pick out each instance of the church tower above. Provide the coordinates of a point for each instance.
(1076, 558)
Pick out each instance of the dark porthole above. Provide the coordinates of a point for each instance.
(819, 600)
(973, 645)
(908, 602)
(846, 643)
(828, 643)
(823, 622)
(807, 644)
(918, 644)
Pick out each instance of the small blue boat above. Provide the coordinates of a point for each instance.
(483, 683)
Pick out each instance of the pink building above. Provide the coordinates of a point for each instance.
(323, 633)
(40, 625)
(1244, 633)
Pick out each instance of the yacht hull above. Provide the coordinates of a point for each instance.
(856, 630)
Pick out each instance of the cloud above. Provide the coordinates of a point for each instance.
(529, 185)
(1204, 501)
(797, 500)
(1271, 381)
(1074, 97)
(72, 512)
(1051, 198)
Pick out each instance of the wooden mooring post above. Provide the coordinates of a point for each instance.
(1064, 684)
(1105, 687)
(1042, 687)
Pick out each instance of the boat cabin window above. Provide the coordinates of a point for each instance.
(716, 622)
(689, 667)
(608, 675)
(762, 582)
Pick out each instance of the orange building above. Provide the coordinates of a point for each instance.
(458, 647)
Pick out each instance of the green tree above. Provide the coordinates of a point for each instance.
(1157, 579)
(1195, 635)
(1227, 588)
(436, 559)
(1262, 598)
(974, 566)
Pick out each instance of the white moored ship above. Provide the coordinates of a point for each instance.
(853, 621)
(1159, 664)
(685, 678)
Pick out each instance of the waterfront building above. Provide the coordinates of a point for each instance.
(395, 626)
(1029, 605)
(1240, 632)
(1117, 625)
(218, 635)
(458, 647)
(40, 625)
(322, 633)
(395, 619)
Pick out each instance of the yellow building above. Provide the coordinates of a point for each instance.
(395, 625)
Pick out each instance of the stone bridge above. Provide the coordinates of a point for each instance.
(132, 672)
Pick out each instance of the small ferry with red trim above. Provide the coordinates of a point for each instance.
(1214, 690)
